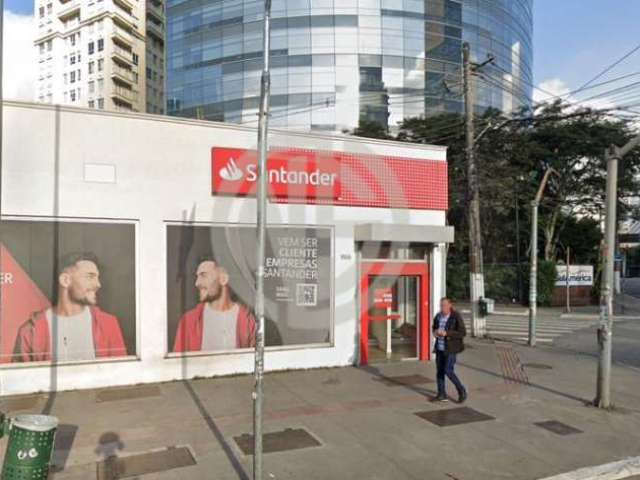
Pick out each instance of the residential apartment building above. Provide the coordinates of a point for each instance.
(94, 53)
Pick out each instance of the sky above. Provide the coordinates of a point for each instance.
(573, 41)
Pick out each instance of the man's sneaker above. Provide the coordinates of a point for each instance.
(462, 397)
(440, 398)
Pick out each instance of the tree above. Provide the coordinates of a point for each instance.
(371, 129)
(512, 155)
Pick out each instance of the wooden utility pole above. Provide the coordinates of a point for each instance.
(476, 276)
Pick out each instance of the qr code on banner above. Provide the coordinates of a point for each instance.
(306, 294)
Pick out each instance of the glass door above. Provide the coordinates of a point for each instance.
(394, 307)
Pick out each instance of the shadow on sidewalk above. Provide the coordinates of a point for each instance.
(237, 466)
(532, 385)
(381, 377)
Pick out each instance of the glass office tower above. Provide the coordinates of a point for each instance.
(335, 62)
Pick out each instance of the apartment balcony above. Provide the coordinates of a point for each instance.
(124, 95)
(155, 29)
(126, 5)
(123, 75)
(122, 56)
(69, 10)
(122, 37)
(123, 20)
(155, 11)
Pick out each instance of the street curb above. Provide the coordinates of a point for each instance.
(589, 316)
(608, 471)
(501, 313)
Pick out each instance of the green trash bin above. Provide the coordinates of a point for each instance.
(29, 448)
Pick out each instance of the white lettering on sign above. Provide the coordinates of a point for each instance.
(579, 275)
(6, 278)
(293, 177)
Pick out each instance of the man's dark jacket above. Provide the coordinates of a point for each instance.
(456, 331)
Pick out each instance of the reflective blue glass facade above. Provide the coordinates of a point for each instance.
(336, 61)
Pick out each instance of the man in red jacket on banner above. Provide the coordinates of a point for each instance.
(217, 322)
(74, 328)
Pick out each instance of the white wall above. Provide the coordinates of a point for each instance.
(162, 174)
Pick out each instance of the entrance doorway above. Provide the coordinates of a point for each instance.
(394, 312)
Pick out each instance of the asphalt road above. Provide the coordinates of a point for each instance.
(626, 334)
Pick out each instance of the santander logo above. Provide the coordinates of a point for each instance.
(290, 173)
(230, 171)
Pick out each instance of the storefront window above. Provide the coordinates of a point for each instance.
(211, 287)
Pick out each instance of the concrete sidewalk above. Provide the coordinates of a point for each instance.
(364, 420)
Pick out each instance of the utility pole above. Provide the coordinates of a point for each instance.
(605, 331)
(533, 273)
(476, 277)
(263, 130)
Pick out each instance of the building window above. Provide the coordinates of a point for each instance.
(148, 73)
(49, 98)
(91, 46)
(101, 103)
(41, 48)
(92, 87)
(78, 74)
(72, 40)
(72, 94)
(100, 84)
(72, 77)
(100, 64)
(49, 45)
(135, 59)
(79, 93)
(66, 79)
(41, 11)
(72, 59)
(49, 8)
(100, 44)
(91, 67)
(92, 104)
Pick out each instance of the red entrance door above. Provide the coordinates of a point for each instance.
(394, 311)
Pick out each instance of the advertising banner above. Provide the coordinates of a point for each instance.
(67, 291)
(211, 287)
(579, 275)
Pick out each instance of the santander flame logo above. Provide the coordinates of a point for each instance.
(230, 171)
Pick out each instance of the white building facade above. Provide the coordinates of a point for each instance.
(355, 258)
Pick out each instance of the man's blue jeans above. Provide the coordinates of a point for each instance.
(445, 364)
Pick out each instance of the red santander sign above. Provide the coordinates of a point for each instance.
(291, 173)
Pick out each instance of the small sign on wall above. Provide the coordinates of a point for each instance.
(383, 298)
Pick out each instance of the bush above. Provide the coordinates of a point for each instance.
(501, 282)
(547, 274)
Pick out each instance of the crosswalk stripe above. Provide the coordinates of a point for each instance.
(522, 332)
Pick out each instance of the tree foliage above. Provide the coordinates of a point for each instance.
(512, 155)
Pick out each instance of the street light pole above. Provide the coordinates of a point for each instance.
(605, 331)
(533, 273)
(567, 279)
(263, 127)
(603, 393)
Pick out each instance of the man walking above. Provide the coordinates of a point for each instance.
(449, 330)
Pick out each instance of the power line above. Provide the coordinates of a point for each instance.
(613, 65)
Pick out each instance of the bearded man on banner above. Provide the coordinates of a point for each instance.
(74, 328)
